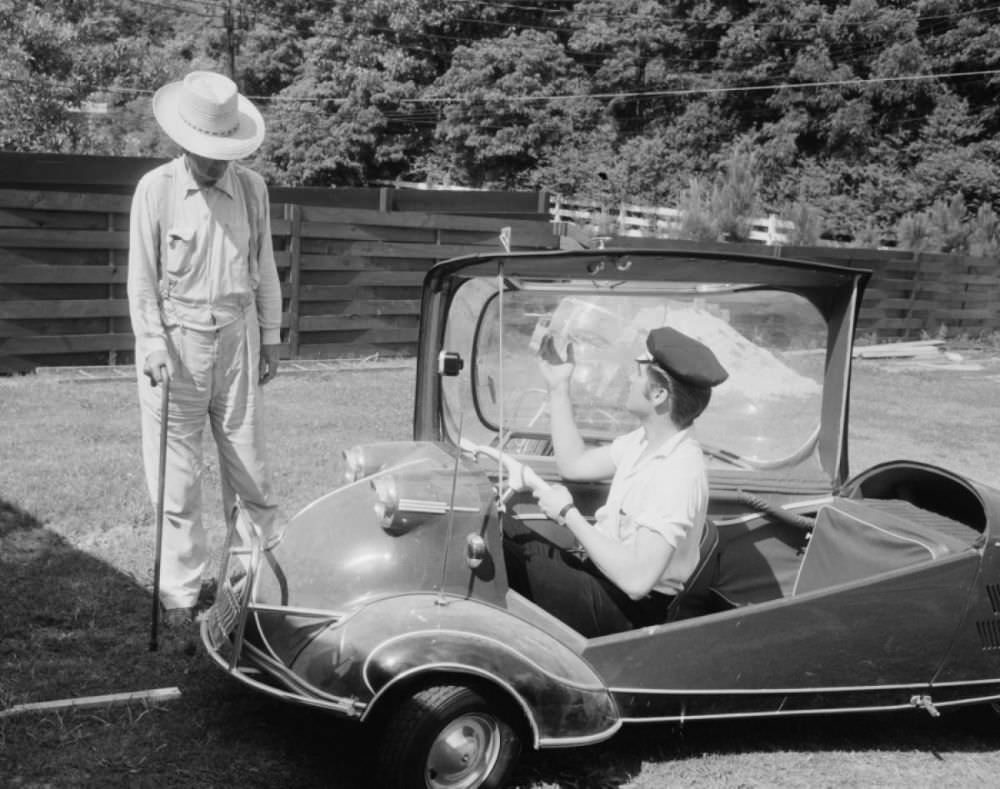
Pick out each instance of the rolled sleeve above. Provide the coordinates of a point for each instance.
(672, 508)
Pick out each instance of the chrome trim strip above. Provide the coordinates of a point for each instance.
(684, 717)
(431, 507)
(965, 682)
(600, 688)
(573, 742)
(963, 702)
(763, 691)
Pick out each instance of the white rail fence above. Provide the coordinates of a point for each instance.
(648, 222)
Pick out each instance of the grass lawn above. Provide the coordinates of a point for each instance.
(76, 563)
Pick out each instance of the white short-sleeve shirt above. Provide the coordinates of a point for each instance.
(667, 491)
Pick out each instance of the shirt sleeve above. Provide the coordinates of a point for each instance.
(143, 278)
(672, 506)
(269, 287)
(622, 445)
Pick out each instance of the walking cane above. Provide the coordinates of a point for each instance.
(161, 486)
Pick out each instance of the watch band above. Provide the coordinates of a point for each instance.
(565, 511)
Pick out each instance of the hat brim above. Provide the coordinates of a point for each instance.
(238, 145)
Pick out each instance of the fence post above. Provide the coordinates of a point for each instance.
(293, 213)
(112, 354)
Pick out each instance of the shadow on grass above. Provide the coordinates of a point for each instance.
(72, 626)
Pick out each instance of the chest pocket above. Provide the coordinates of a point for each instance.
(180, 250)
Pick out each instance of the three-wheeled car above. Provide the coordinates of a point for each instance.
(386, 600)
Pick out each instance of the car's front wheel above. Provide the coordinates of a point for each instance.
(448, 737)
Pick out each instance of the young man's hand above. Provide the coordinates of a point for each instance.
(555, 369)
(553, 501)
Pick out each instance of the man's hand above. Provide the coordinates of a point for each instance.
(555, 370)
(158, 367)
(553, 500)
(268, 362)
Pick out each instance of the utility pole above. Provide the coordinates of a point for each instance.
(228, 21)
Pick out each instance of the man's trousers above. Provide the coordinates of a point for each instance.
(215, 376)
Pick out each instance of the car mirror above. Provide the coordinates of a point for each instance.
(450, 363)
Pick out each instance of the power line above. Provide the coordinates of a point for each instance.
(732, 89)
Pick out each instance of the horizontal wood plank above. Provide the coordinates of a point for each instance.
(65, 201)
(362, 307)
(74, 239)
(69, 343)
(352, 292)
(350, 263)
(359, 350)
(61, 275)
(314, 323)
(64, 308)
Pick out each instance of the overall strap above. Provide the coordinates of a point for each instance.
(165, 221)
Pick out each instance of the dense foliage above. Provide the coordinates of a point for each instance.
(851, 116)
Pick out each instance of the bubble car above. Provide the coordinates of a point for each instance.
(386, 600)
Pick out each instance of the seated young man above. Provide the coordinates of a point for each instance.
(644, 543)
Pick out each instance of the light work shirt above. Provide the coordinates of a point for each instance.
(190, 260)
(667, 491)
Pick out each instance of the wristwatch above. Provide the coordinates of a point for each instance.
(561, 517)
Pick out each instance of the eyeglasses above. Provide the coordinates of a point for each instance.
(661, 375)
(640, 365)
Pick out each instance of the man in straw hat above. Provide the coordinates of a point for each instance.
(205, 304)
(644, 543)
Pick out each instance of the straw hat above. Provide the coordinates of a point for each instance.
(205, 114)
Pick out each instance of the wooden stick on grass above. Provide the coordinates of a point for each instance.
(156, 694)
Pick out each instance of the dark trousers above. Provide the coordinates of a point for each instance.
(574, 590)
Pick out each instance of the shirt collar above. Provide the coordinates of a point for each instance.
(224, 184)
(671, 443)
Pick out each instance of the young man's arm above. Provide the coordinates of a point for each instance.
(574, 459)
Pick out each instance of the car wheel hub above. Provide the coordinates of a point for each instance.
(464, 753)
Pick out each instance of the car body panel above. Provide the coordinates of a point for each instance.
(396, 580)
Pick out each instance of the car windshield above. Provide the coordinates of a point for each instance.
(772, 343)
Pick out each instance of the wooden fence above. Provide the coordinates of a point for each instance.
(628, 220)
(351, 262)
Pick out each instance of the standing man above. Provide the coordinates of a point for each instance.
(644, 543)
(205, 304)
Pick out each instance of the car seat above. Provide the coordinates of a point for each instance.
(697, 597)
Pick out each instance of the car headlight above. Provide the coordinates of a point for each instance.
(354, 464)
(386, 500)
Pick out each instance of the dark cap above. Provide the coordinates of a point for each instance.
(685, 358)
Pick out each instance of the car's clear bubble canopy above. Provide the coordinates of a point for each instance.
(771, 336)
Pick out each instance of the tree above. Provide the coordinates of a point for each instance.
(506, 106)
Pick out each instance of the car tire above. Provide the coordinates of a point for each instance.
(447, 737)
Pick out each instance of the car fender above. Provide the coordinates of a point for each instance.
(563, 699)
